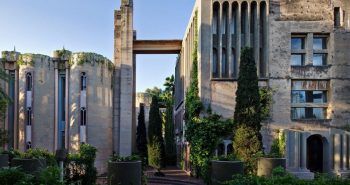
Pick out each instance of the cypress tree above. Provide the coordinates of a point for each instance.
(141, 136)
(247, 139)
(247, 109)
(155, 121)
(155, 131)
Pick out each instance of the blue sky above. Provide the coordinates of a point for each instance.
(41, 26)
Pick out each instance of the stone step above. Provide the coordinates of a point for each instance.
(164, 180)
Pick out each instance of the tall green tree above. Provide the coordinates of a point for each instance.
(155, 131)
(141, 136)
(247, 110)
(169, 136)
(247, 141)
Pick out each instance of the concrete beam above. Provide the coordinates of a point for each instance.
(157, 46)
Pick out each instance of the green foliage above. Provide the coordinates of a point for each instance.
(155, 121)
(278, 146)
(170, 147)
(155, 91)
(155, 129)
(3, 137)
(4, 99)
(247, 147)
(281, 177)
(25, 59)
(141, 135)
(116, 158)
(204, 134)
(265, 102)
(38, 153)
(80, 166)
(50, 176)
(14, 176)
(230, 157)
(91, 58)
(247, 110)
(154, 154)
(193, 103)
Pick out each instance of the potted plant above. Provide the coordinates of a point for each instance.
(4, 157)
(274, 159)
(33, 160)
(223, 167)
(124, 170)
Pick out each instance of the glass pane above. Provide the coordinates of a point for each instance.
(297, 43)
(298, 96)
(297, 60)
(319, 97)
(320, 43)
(298, 113)
(318, 113)
(319, 59)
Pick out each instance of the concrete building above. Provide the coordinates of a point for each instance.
(59, 102)
(301, 49)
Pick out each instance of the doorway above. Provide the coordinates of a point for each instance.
(315, 153)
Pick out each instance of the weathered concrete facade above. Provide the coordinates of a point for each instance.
(301, 51)
(38, 86)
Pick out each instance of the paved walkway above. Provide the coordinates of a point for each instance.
(173, 176)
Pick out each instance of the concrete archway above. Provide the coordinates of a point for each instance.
(315, 153)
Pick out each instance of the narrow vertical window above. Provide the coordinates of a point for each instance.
(215, 63)
(83, 116)
(336, 16)
(83, 81)
(11, 110)
(215, 20)
(224, 68)
(61, 109)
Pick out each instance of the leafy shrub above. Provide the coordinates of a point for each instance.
(38, 153)
(116, 158)
(230, 157)
(278, 146)
(247, 147)
(154, 155)
(14, 176)
(80, 166)
(204, 135)
(50, 176)
(281, 177)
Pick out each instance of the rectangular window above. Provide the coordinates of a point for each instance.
(298, 43)
(83, 117)
(319, 59)
(309, 96)
(297, 59)
(320, 43)
(336, 16)
(308, 93)
(308, 113)
(29, 116)
(83, 81)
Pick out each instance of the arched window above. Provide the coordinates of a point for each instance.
(216, 17)
(83, 81)
(29, 82)
(225, 19)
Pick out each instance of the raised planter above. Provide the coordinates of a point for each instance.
(266, 165)
(4, 160)
(32, 166)
(124, 172)
(223, 170)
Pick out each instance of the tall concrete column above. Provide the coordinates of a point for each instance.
(303, 151)
(337, 152)
(238, 37)
(124, 90)
(297, 150)
(229, 41)
(344, 152)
